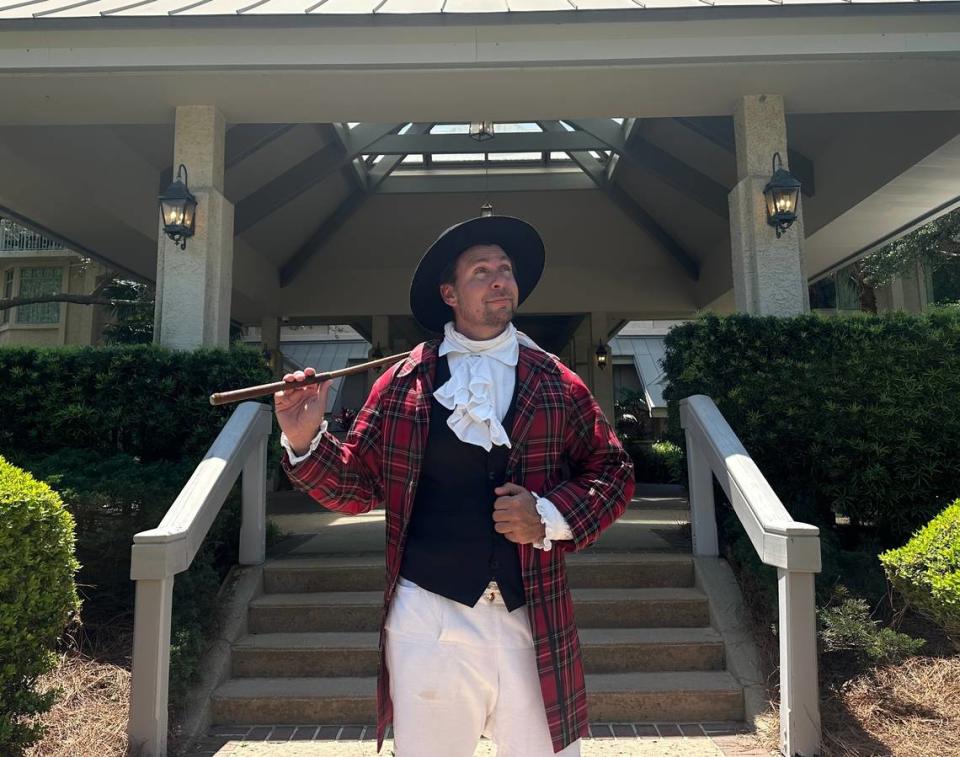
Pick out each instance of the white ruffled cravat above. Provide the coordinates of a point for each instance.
(471, 392)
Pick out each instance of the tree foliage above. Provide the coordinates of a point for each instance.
(934, 245)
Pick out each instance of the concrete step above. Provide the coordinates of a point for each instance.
(584, 570)
(624, 697)
(594, 608)
(605, 650)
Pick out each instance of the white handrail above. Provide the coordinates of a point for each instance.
(160, 553)
(713, 450)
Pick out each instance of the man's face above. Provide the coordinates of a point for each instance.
(485, 294)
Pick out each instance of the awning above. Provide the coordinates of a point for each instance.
(647, 353)
(324, 356)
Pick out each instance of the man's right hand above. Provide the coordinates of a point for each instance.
(300, 409)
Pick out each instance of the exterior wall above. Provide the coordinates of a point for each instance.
(78, 324)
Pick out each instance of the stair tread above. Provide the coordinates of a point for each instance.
(333, 640)
(375, 598)
(586, 558)
(665, 681)
(309, 640)
(597, 683)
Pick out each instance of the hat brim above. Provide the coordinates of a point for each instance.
(518, 239)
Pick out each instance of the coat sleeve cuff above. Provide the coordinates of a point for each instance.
(555, 524)
(295, 459)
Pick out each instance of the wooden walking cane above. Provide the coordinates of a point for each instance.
(263, 390)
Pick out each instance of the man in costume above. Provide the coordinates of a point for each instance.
(492, 460)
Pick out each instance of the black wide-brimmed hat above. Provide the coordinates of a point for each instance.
(518, 239)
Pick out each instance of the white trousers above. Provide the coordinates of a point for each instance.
(458, 673)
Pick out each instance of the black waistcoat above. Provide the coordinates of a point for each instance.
(452, 548)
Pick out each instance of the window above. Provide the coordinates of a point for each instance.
(7, 294)
(823, 294)
(35, 282)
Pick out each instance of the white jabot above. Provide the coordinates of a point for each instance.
(481, 384)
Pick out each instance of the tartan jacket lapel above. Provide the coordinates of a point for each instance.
(528, 382)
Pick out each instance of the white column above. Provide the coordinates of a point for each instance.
(147, 726)
(768, 273)
(253, 524)
(194, 284)
(702, 507)
(602, 386)
(799, 697)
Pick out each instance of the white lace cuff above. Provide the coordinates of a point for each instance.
(555, 525)
(296, 459)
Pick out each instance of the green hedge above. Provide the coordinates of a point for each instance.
(858, 416)
(118, 431)
(144, 400)
(37, 599)
(926, 571)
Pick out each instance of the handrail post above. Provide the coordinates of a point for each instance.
(147, 726)
(253, 526)
(799, 690)
(703, 519)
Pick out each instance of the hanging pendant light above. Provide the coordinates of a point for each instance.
(482, 130)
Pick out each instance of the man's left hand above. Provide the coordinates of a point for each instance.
(515, 515)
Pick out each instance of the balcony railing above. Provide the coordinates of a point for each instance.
(17, 239)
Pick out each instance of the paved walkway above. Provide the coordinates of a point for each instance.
(617, 740)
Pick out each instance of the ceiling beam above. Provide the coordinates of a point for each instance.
(242, 141)
(628, 128)
(674, 172)
(596, 171)
(328, 227)
(406, 144)
(307, 173)
(475, 181)
(720, 131)
(386, 165)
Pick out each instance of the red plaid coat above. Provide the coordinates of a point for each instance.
(562, 447)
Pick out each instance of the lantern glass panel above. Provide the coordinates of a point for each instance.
(173, 212)
(785, 200)
(189, 213)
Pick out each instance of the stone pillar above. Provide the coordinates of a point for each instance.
(768, 273)
(270, 339)
(379, 336)
(602, 380)
(194, 285)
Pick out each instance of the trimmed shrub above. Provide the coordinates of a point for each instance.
(856, 417)
(37, 599)
(145, 400)
(926, 571)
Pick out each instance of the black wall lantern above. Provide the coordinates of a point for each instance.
(178, 209)
(782, 194)
(602, 355)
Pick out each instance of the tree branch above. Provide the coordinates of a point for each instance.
(77, 299)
